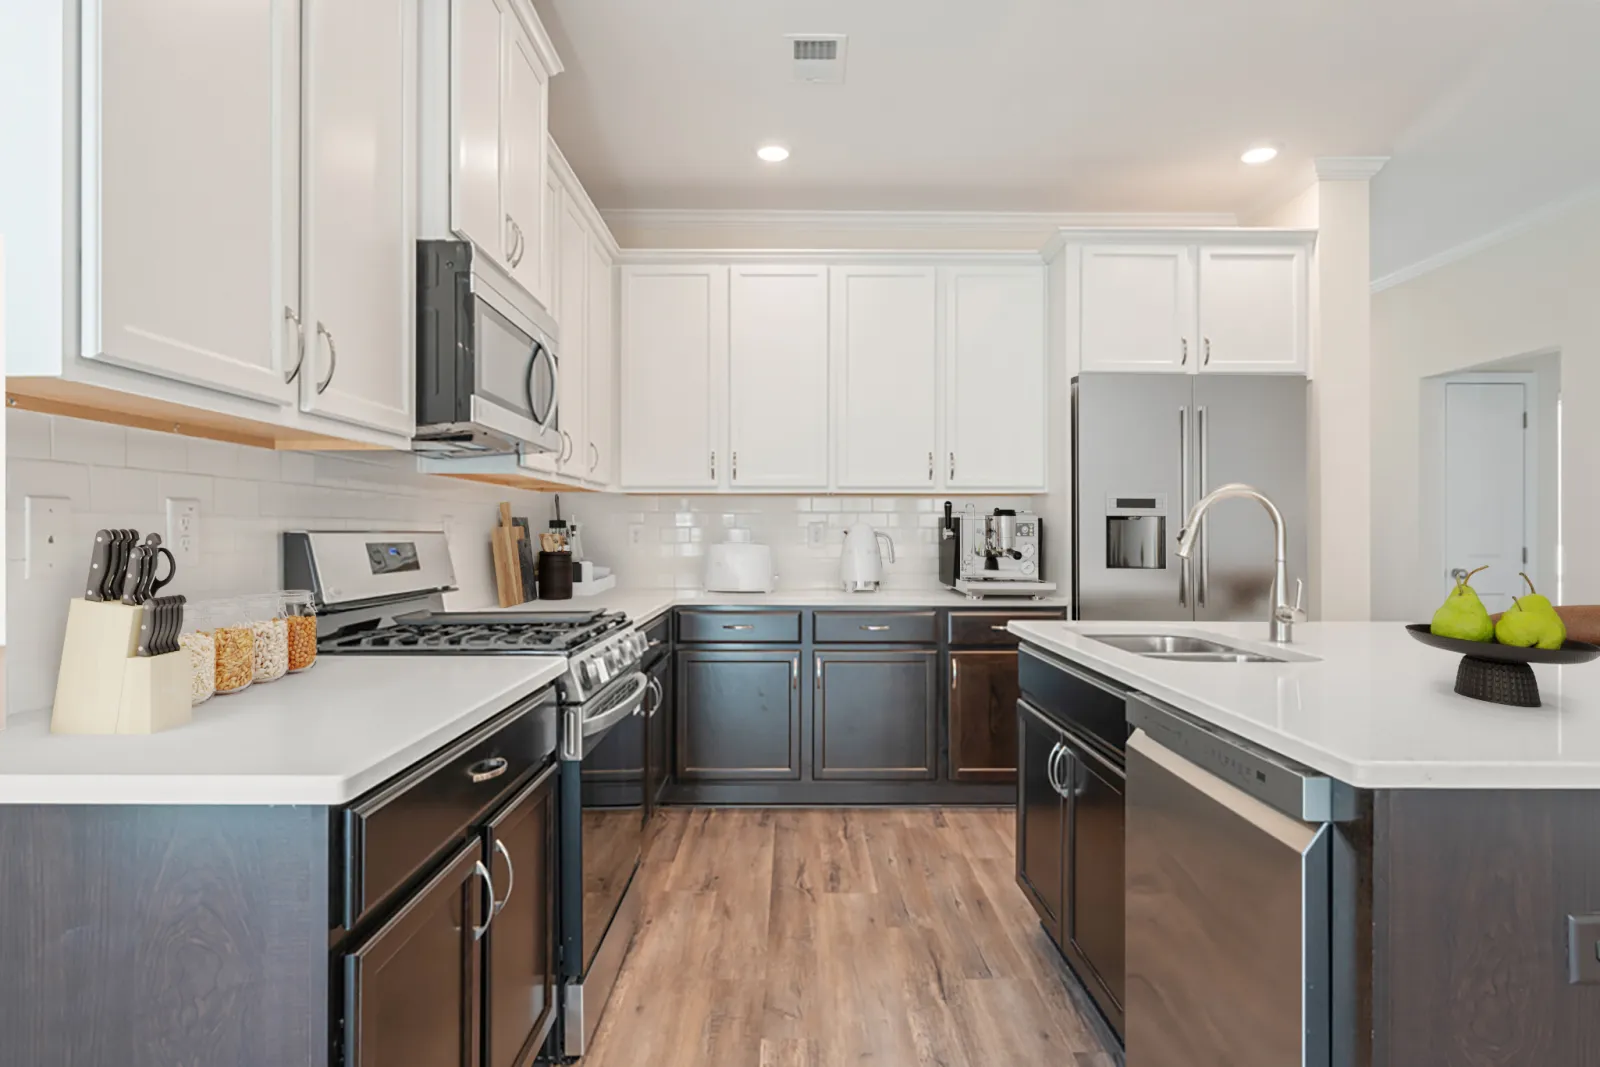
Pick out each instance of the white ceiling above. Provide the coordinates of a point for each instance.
(1000, 105)
(1515, 134)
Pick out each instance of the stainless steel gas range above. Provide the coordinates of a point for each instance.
(381, 593)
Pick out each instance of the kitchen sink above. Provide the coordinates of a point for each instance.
(1182, 648)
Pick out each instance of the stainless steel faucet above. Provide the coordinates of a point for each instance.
(1283, 616)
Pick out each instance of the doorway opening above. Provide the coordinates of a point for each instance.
(1490, 480)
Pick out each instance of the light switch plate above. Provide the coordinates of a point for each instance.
(48, 532)
(1583, 949)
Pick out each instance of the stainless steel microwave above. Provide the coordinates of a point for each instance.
(488, 377)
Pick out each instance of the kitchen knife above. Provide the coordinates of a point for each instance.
(99, 561)
(121, 544)
(136, 577)
(147, 629)
(174, 620)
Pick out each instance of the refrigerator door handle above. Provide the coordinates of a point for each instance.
(1202, 436)
(1183, 502)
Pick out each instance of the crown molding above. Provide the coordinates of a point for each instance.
(1347, 168)
(1500, 235)
(1022, 222)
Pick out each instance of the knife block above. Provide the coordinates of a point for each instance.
(103, 688)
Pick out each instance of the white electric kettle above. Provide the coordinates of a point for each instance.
(861, 565)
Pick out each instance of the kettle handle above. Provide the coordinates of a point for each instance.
(886, 540)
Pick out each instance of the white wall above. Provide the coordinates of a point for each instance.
(1536, 293)
(248, 496)
(658, 542)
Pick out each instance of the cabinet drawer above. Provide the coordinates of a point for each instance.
(392, 833)
(741, 627)
(850, 627)
(987, 629)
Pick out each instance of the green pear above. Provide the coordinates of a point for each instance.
(1553, 632)
(1462, 615)
(1518, 627)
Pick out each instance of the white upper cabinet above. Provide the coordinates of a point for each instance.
(994, 378)
(1137, 308)
(886, 359)
(479, 35)
(572, 320)
(486, 70)
(197, 247)
(778, 377)
(1253, 309)
(359, 211)
(674, 346)
(527, 102)
(600, 368)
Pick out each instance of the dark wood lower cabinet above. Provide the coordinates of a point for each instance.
(738, 715)
(1041, 817)
(413, 989)
(519, 948)
(876, 715)
(983, 716)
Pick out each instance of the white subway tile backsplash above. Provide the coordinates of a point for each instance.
(248, 497)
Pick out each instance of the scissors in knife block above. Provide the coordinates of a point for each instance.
(139, 582)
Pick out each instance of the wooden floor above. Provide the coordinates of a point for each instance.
(819, 938)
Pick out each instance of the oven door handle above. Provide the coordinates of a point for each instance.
(599, 724)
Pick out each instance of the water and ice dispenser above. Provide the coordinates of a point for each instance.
(1136, 532)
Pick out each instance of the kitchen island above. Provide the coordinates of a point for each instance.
(1453, 845)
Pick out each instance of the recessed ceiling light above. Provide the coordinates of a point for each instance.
(773, 153)
(1259, 154)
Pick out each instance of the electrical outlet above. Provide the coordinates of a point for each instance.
(183, 531)
(636, 535)
(47, 535)
(815, 533)
(1583, 949)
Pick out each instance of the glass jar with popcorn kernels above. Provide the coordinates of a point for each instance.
(300, 616)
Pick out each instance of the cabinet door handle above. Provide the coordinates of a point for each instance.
(874, 629)
(955, 668)
(930, 466)
(1208, 351)
(1184, 362)
(735, 470)
(487, 770)
(819, 672)
(713, 464)
(511, 876)
(511, 240)
(333, 358)
(300, 344)
(738, 626)
(1050, 767)
(794, 674)
(594, 451)
(483, 872)
(952, 465)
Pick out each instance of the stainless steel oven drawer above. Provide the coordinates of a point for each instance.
(392, 835)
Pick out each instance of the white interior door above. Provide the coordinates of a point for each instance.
(778, 377)
(1485, 516)
(885, 350)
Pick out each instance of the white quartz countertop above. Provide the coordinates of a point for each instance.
(1375, 708)
(642, 605)
(322, 737)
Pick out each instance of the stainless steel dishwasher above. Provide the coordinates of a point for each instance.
(1230, 855)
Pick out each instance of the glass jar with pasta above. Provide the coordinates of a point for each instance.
(236, 645)
(301, 618)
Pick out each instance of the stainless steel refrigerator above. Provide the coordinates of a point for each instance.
(1145, 448)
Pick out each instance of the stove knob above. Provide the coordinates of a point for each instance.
(587, 672)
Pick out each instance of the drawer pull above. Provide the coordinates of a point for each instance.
(999, 629)
(874, 629)
(738, 626)
(484, 770)
(654, 644)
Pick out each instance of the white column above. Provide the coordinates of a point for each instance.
(1340, 427)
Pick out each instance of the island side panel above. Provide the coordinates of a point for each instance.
(147, 936)
(1471, 895)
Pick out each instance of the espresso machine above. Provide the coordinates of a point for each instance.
(997, 554)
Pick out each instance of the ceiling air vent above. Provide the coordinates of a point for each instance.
(818, 57)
